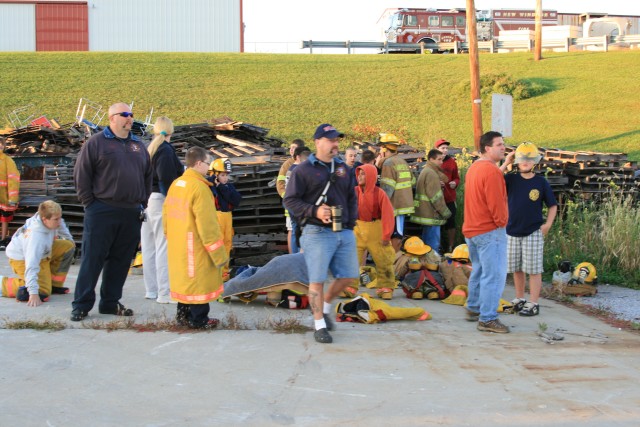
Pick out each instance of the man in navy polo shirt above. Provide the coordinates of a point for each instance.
(325, 249)
(113, 178)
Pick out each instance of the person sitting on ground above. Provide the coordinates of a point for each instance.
(40, 253)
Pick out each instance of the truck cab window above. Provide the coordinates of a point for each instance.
(434, 21)
(447, 21)
(410, 20)
(461, 21)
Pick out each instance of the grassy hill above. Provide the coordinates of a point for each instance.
(589, 101)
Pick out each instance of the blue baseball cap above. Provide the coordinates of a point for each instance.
(325, 130)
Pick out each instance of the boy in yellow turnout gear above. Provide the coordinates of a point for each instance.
(195, 245)
(373, 230)
(227, 199)
(40, 253)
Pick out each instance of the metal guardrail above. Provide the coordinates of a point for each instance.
(492, 46)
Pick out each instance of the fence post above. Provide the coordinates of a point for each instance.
(348, 47)
(310, 47)
(386, 47)
(493, 46)
(421, 48)
(456, 45)
(606, 43)
(567, 43)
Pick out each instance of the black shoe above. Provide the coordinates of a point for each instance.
(59, 290)
(210, 324)
(322, 336)
(530, 309)
(329, 321)
(78, 315)
(118, 310)
(518, 304)
(23, 295)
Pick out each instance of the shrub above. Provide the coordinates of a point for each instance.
(603, 232)
(507, 85)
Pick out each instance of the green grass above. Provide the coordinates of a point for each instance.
(587, 100)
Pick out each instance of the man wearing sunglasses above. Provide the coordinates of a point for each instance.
(113, 179)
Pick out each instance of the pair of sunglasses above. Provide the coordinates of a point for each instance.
(124, 114)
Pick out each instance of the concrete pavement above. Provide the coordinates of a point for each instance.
(401, 373)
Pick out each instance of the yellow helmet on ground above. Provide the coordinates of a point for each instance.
(460, 253)
(220, 165)
(527, 151)
(585, 273)
(415, 246)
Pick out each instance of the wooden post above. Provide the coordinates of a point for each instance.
(386, 47)
(567, 44)
(606, 43)
(474, 68)
(456, 44)
(537, 55)
(348, 47)
(421, 48)
(310, 46)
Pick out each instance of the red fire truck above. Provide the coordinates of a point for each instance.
(448, 25)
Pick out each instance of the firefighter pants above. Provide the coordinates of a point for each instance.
(53, 269)
(369, 237)
(226, 227)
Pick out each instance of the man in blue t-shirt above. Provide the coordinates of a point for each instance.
(526, 193)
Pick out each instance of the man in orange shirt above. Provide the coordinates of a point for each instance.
(485, 217)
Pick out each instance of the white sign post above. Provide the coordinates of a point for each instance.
(502, 114)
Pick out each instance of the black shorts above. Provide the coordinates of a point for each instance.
(451, 222)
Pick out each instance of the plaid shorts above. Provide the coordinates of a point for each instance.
(525, 253)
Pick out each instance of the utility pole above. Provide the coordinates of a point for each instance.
(538, 49)
(474, 68)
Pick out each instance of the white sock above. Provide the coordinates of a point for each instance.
(319, 324)
(326, 308)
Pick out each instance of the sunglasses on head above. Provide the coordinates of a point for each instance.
(124, 114)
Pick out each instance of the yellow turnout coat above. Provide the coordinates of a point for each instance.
(195, 247)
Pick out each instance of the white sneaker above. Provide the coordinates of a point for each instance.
(165, 299)
(151, 295)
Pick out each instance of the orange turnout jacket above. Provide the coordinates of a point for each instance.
(195, 247)
(9, 183)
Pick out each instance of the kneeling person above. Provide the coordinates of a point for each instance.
(40, 253)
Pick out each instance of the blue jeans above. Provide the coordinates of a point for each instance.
(431, 236)
(326, 250)
(488, 255)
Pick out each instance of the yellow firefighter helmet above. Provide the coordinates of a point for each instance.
(527, 151)
(415, 246)
(220, 165)
(460, 253)
(585, 273)
(388, 141)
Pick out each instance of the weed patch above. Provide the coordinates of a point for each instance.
(38, 325)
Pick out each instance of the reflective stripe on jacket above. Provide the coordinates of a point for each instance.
(397, 180)
(430, 207)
